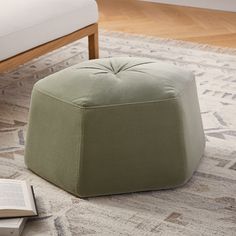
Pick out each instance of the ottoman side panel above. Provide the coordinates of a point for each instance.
(129, 148)
(53, 140)
(194, 137)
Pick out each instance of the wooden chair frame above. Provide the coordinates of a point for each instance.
(91, 31)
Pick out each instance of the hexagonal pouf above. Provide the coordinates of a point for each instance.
(114, 126)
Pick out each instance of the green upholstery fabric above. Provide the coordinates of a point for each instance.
(116, 125)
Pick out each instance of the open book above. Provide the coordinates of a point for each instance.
(16, 199)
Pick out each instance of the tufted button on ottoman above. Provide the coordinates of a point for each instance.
(114, 126)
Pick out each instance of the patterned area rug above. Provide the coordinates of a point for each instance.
(206, 205)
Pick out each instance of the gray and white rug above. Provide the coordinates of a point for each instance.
(206, 205)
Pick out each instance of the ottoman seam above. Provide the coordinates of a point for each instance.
(80, 151)
(128, 104)
(58, 99)
(108, 106)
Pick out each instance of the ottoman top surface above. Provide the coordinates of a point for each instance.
(116, 81)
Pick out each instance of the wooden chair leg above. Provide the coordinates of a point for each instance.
(93, 45)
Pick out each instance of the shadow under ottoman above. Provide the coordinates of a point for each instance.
(116, 125)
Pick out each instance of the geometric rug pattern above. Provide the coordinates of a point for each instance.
(206, 205)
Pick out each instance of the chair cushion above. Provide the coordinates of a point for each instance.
(27, 24)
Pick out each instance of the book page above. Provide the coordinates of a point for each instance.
(13, 195)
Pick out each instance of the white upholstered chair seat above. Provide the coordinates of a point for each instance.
(25, 24)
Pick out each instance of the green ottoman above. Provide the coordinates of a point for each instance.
(115, 126)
